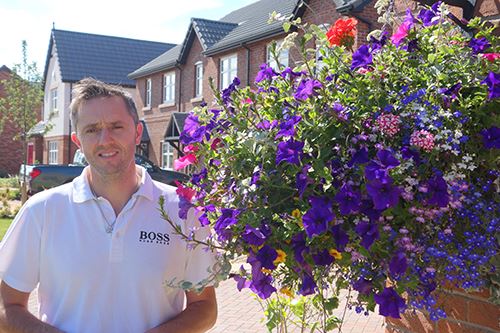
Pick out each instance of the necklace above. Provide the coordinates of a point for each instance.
(109, 226)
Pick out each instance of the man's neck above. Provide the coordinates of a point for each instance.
(117, 190)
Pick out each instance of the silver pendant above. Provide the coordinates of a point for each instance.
(109, 229)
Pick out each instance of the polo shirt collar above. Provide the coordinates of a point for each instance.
(82, 191)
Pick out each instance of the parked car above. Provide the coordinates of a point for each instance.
(45, 176)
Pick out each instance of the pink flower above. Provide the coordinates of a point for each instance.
(190, 149)
(184, 192)
(184, 161)
(491, 57)
(388, 124)
(422, 139)
(215, 143)
(401, 33)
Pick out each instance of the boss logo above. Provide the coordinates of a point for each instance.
(154, 237)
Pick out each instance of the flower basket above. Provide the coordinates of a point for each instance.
(374, 170)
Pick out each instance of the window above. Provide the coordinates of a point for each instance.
(167, 156)
(169, 87)
(53, 100)
(52, 152)
(198, 70)
(147, 99)
(228, 70)
(282, 55)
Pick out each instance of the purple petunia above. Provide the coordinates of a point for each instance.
(267, 125)
(384, 195)
(308, 285)
(349, 200)
(359, 157)
(362, 58)
(363, 286)
(340, 236)
(390, 303)
(299, 247)
(289, 151)
(450, 94)
(377, 44)
(287, 128)
(368, 232)
(493, 83)
(193, 131)
(438, 191)
(288, 71)
(307, 89)
(398, 264)
(267, 255)
(228, 218)
(322, 258)
(430, 16)
(266, 73)
(491, 137)
(253, 236)
(317, 218)
(302, 180)
(262, 284)
(479, 45)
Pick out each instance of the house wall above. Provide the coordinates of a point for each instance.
(250, 57)
(11, 151)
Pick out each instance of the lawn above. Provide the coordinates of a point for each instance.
(4, 224)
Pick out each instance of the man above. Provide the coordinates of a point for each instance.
(104, 259)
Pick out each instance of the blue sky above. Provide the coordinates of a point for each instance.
(157, 20)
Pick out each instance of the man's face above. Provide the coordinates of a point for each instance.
(107, 135)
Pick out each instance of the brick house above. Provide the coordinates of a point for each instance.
(73, 56)
(236, 45)
(11, 151)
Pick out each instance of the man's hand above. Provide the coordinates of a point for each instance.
(199, 315)
(14, 314)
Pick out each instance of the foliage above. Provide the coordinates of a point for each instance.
(374, 170)
(24, 95)
(4, 225)
(12, 182)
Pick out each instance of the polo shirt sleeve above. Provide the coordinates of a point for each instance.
(201, 261)
(20, 251)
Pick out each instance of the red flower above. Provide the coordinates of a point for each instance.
(342, 32)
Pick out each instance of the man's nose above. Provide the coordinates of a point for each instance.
(105, 135)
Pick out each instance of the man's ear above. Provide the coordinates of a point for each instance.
(138, 133)
(74, 138)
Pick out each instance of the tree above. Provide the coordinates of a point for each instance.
(24, 95)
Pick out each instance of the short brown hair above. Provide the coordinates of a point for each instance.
(89, 88)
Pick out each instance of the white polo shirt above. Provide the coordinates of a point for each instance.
(92, 281)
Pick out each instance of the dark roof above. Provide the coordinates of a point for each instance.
(5, 69)
(106, 58)
(347, 6)
(244, 25)
(145, 133)
(175, 126)
(39, 128)
(165, 61)
(253, 23)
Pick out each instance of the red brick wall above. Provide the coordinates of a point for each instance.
(250, 58)
(467, 313)
(11, 151)
(65, 147)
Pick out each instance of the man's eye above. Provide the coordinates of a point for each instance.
(91, 130)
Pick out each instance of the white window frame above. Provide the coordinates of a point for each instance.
(283, 56)
(167, 156)
(148, 90)
(52, 152)
(169, 88)
(53, 100)
(198, 79)
(228, 70)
